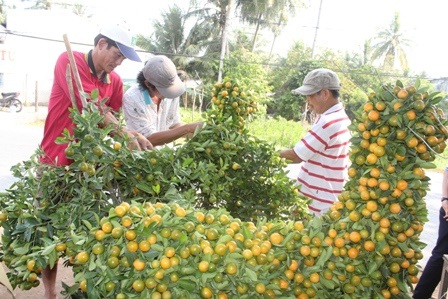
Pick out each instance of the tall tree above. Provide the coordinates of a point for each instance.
(217, 10)
(168, 35)
(226, 10)
(193, 48)
(267, 14)
(390, 46)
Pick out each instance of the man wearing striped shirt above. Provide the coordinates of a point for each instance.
(323, 151)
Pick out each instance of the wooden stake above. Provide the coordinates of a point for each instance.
(68, 78)
(75, 71)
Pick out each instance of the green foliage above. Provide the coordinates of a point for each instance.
(390, 47)
(286, 67)
(366, 237)
(285, 103)
(246, 68)
(221, 166)
(278, 131)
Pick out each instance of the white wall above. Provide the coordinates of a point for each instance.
(36, 40)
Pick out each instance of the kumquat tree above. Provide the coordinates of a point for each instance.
(217, 216)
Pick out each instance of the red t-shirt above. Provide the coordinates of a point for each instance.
(58, 117)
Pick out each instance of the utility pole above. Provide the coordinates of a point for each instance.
(224, 40)
(317, 28)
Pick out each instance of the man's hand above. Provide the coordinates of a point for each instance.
(191, 127)
(445, 208)
(290, 154)
(137, 141)
(197, 124)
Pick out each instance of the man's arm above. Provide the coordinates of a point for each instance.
(291, 155)
(445, 193)
(175, 132)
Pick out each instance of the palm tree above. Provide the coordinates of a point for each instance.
(267, 14)
(215, 12)
(192, 51)
(168, 35)
(390, 46)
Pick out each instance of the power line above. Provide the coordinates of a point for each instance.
(267, 64)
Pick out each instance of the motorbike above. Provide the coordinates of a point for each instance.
(11, 100)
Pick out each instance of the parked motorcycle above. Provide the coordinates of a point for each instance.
(11, 100)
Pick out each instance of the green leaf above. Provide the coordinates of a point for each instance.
(92, 264)
(224, 239)
(428, 165)
(251, 274)
(328, 284)
(187, 283)
(53, 258)
(372, 267)
(87, 224)
(22, 250)
(207, 276)
(156, 188)
(325, 255)
(145, 187)
(157, 247)
(49, 249)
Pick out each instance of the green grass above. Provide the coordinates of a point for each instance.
(280, 132)
(441, 161)
(277, 131)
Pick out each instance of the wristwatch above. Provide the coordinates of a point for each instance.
(444, 198)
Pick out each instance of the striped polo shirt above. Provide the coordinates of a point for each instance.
(324, 152)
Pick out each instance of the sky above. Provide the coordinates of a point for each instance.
(347, 24)
(344, 25)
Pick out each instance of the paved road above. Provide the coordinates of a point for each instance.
(21, 134)
(20, 137)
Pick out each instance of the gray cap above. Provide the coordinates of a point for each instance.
(161, 72)
(317, 80)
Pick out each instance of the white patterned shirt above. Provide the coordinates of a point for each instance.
(141, 112)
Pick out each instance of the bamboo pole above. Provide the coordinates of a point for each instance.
(75, 71)
(71, 90)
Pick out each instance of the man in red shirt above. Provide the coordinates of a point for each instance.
(96, 70)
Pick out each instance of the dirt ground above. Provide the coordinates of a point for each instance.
(65, 275)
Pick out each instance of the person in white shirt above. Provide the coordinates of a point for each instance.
(151, 106)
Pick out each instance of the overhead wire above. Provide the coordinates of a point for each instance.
(267, 63)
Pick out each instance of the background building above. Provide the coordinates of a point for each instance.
(30, 48)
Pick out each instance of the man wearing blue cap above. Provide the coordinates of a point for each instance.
(96, 70)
